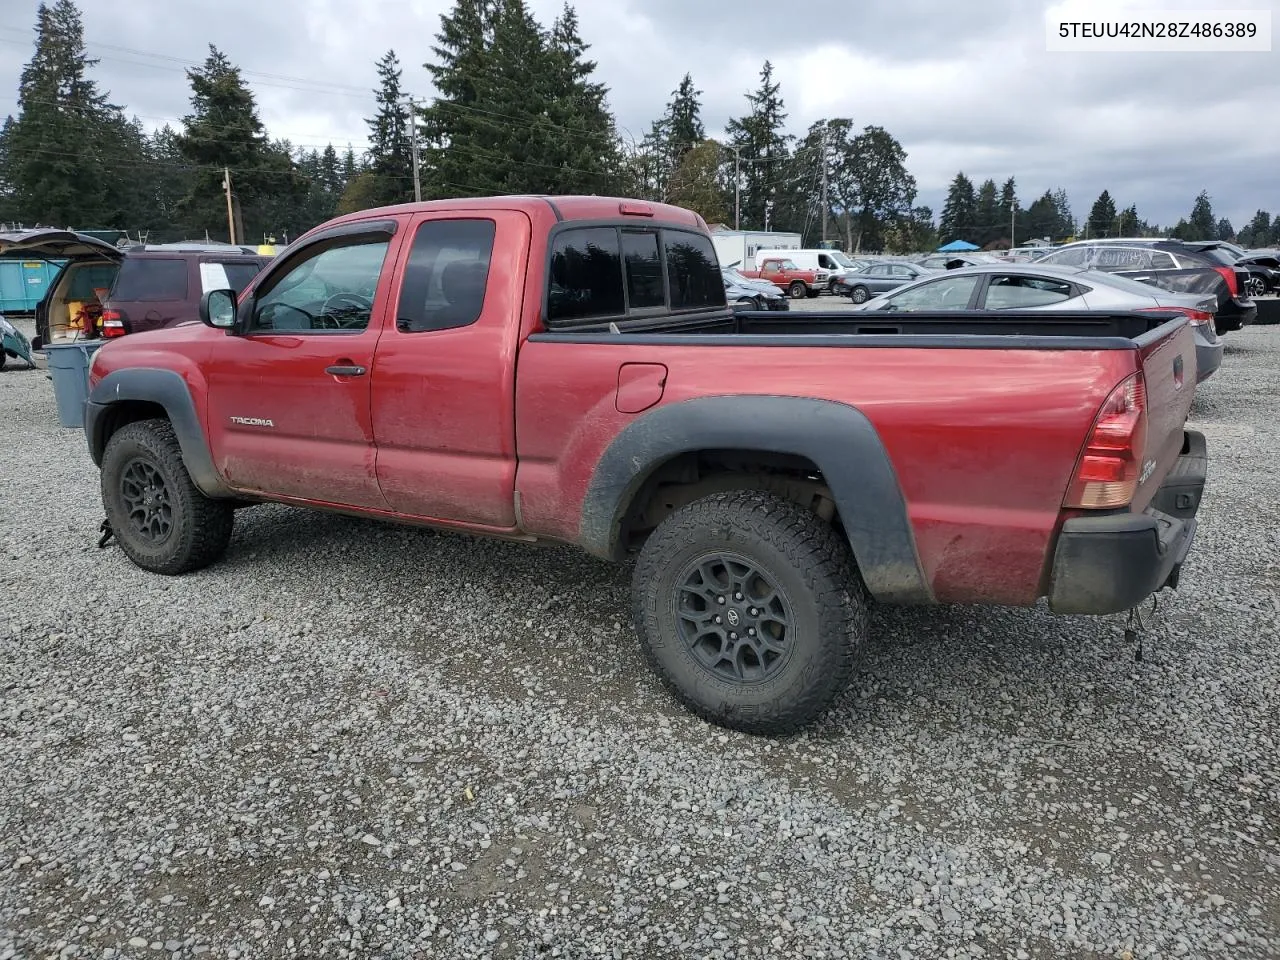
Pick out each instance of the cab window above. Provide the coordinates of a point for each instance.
(329, 290)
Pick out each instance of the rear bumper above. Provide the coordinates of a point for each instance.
(1240, 315)
(1208, 358)
(1108, 564)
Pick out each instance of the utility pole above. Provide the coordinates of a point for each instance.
(413, 143)
(231, 219)
(825, 208)
(1013, 211)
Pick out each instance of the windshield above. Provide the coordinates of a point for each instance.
(732, 273)
(840, 258)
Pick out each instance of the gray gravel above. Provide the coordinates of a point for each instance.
(355, 740)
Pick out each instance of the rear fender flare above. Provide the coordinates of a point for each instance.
(170, 391)
(838, 438)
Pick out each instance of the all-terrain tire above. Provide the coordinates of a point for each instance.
(798, 290)
(811, 570)
(198, 529)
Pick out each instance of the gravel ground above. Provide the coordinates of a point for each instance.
(354, 740)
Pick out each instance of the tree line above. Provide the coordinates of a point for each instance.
(517, 109)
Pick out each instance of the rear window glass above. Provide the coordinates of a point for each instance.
(691, 265)
(644, 270)
(586, 275)
(151, 278)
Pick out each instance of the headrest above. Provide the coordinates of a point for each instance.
(463, 280)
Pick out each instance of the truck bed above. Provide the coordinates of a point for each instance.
(953, 329)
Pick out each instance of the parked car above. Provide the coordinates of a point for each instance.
(833, 263)
(1270, 262)
(877, 278)
(786, 275)
(772, 478)
(954, 261)
(110, 291)
(758, 294)
(1263, 277)
(1171, 265)
(1039, 286)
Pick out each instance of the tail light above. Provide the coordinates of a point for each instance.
(1110, 464)
(113, 323)
(1229, 275)
(1198, 318)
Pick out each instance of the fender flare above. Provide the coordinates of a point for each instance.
(837, 437)
(169, 390)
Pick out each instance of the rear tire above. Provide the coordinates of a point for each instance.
(798, 290)
(162, 522)
(808, 617)
(859, 294)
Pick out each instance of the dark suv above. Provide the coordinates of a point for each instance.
(109, 291)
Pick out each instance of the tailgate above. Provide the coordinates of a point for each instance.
(1169, 368)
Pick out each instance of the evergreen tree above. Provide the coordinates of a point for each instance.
(331, 172)
(1102, 217)
(1066, 222)
(1225, 231)
(1127, 223)
(451, 124)
(959, 213)
(350, 167)
(223, 131)
(8, 197)
(987, 214)
(68, 147)
(1044, 218)
(390, 146)
(1202, 225)
(1007, 211)
(585, 145)
(912, 233)
(681, 129)
(1273, 235)
(763, 148)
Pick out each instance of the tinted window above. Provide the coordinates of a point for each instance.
(331, 288)
(880, 270)
(586, 275)
(1015, 292)
(691, 267)
(446, 276)
(644, 270)
(239, 274)
(150, 278)
(945, 293)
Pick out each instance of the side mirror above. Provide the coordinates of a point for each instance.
(218, 309)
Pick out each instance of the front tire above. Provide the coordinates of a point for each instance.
(859, 294)
(798, 290)
(162, 522)
(750, 610)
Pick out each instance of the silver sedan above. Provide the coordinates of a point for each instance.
(1031, 286)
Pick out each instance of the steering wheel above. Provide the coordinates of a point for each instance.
(348, 299)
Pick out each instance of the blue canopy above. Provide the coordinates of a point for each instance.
(957, 245)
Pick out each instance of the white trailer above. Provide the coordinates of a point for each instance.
(737, 248)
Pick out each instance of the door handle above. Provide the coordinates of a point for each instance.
(345, 370)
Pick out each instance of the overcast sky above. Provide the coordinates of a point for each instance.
(963, 84)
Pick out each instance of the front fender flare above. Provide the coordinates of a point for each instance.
(169, 390)
(837, 437)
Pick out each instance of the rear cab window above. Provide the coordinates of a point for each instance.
(144, 279)
(610, 273)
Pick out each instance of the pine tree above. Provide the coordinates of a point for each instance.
(1202, 225)
(959, 213)
(1127, 223)
(680, 129)
(350, 167)
(763, 148)
(1007, 210)
(451, 124)
(67, 147)
(223, 131)
(1066, 222)
(987, 215)
(390, 146)
(1044, 218)
(585, 145)
(1102, 217)
(1225, 231)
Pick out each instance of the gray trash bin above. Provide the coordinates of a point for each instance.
(69, 367)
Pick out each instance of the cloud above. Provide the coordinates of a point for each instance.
(966, 86)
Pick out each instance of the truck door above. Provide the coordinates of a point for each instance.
(444, 374)
(289, 394)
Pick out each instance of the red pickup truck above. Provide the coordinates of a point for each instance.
(794, 281)
(566, 369)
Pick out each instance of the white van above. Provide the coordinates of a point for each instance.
(834, 262)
